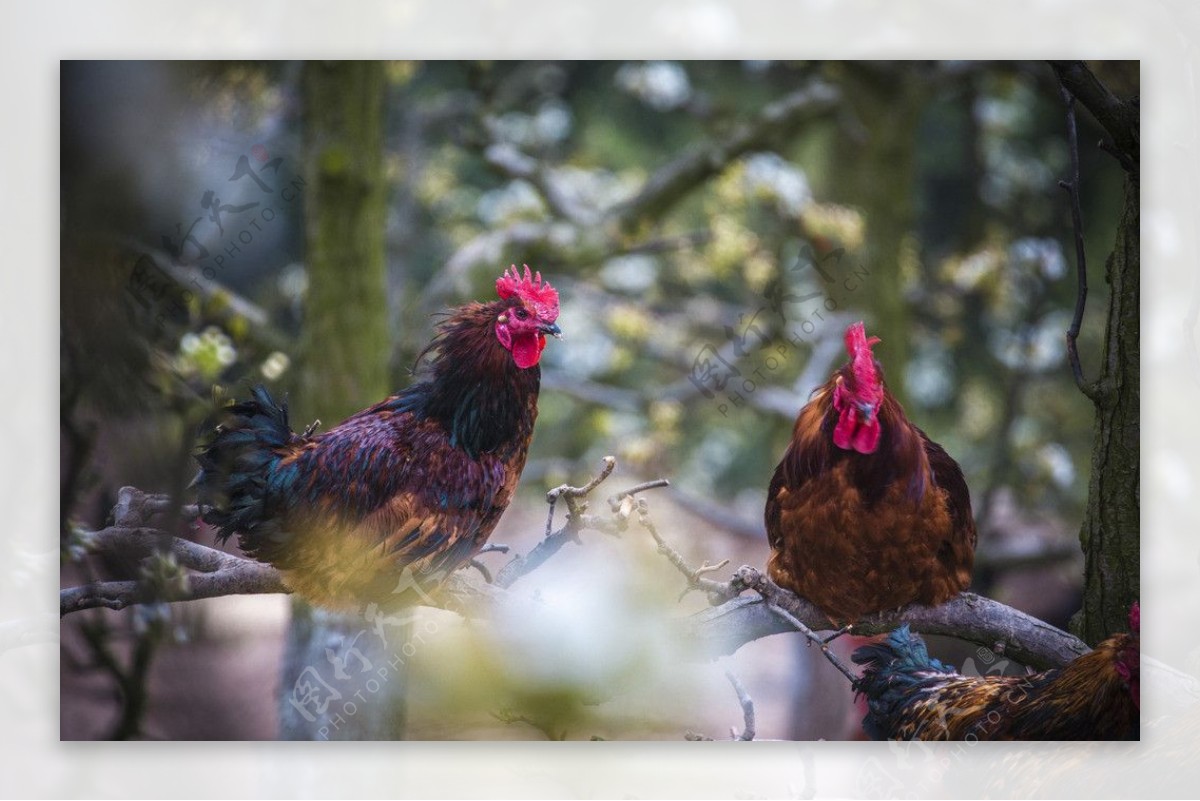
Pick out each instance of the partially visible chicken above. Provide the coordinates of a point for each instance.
(911, 696)
(865, 512)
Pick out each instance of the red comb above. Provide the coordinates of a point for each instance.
(859, 348)
(531, 289)
(1135, 618)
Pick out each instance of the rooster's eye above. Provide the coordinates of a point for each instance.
(521, 314)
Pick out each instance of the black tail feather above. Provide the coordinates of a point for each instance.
(236, 458)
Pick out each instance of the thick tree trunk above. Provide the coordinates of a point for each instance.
(345, 346)
(1111, 533)
(877, 174)
(331, 686)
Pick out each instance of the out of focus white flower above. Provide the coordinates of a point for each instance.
(633, 274)
(769, 176)
(1038, 349)
(1045, 253)
(515, 201)
(928, 377)
(663, 85)
(206, 354)
(1056, 460)
(275, 365)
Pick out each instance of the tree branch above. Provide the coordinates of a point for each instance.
(719, 630)
(1072, 188)
(583, 234)
(247, 578)
(672, 182)
(553, 541)
(1119, 118)
(1025, 639)
(747, 704)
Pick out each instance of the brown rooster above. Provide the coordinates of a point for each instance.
(911, 696)
(864, 512)
(392, 500)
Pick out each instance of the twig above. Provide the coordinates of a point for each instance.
(482, 568)
(718, 591)
(1072, 188)
(770, 592)
(141, 542)
(553, 541)
(571, 493)
(216, 572)
(747, 707)
(813, 638)
(747, 704)
(615, 500)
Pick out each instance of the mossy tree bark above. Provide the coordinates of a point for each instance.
(877, 174)
(331, 686)
(1111, 531)
(346, 343)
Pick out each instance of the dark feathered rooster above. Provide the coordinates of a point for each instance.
(913, 697)
(418, 481)
(864, 512)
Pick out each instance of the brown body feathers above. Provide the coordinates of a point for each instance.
(878, 521)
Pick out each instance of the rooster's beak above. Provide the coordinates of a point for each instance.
(552, 329)
(867, 411)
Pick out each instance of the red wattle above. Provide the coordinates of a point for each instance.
(844, 430)
(527, 349)
(850, 434)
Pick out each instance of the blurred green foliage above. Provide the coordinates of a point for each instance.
(980, 287)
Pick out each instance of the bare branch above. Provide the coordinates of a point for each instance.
(717, 591)
(247, 578)
(808, 634)
(1025, 639)
(672, 182)
(141, 542)
(747, 704)
(747, 707)
(1072, 188)
(1120, 119)
(506, 158)
(720, 630)
(615, 500)
(553, 541)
